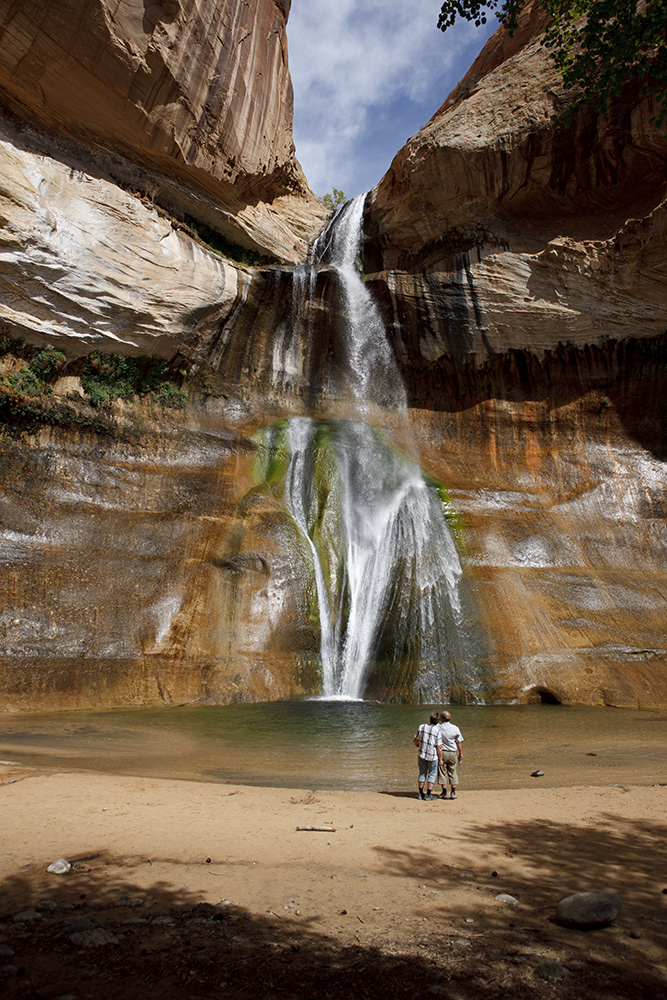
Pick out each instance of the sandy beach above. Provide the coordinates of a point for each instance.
(396, 898)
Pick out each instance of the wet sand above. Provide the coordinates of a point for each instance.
(398, 888)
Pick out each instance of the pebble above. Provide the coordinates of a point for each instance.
(205, 910)
(129, 901)
(46, 906)
(93, 938)
(77, 924)
(433, 989)
(504, 897)
(589, 910)
(6, 951)
(466, 875)
(469, 920)
(537, 774)
(551, 970)
(27, 917)
(166, 921)
(136, 920)
(9, 970)
(59, 867)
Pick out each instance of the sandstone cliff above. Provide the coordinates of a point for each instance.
(522, 268)
(189, 102)
(522, 277)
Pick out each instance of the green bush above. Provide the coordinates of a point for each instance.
(47, 363)
(107, 377)
(33, 376)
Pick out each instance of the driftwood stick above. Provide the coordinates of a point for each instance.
(317, 829)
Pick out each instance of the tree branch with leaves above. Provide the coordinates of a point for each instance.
(598, 45)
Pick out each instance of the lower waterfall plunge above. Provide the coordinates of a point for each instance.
(386, 570)
(375, 530)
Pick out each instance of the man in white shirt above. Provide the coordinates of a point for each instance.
(451, 740)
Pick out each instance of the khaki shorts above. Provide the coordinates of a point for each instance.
(448, 769)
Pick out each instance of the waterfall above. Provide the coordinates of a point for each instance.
(386, 569)
(372, 373)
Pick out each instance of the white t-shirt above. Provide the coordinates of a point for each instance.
(451, 735)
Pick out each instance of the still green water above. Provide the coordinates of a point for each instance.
(351, 745)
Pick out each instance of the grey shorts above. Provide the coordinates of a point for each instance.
(448, 768)
(427, 769)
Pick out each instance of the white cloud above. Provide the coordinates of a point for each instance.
(350, 61)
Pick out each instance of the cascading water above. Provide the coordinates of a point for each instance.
(386, 570)
(372, 373)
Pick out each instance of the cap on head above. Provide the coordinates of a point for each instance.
(445, 716)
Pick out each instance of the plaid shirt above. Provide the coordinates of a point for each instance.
(429, 737)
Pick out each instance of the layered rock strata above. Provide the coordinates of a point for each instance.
(190, 102)
(521, 275)
(522, 270)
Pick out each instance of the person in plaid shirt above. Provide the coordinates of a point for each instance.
(429, 741)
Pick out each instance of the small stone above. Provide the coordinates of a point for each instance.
(27, 917)
(635, 935)
(537, 774)
(204, 910)
(504, 897)
(129, 901)
(589, 910)
(9, 970)
(93, 938)
(469, 920)
(434, 990)
(46, 906)
(550, 970)
(136, 920)
(166, 921)
(6, 951)
(59, 867)
(77, 924)
(466, 875)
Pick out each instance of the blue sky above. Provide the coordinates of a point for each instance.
(367, 75)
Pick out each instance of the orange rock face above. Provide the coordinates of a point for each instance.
(522, 267)
(521, 274)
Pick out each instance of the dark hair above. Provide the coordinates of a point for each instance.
(434, 718)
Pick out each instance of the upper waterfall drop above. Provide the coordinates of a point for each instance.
(372, 373)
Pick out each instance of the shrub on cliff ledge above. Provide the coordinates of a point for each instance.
(599, 45)
(30, 377)
(114, 376)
